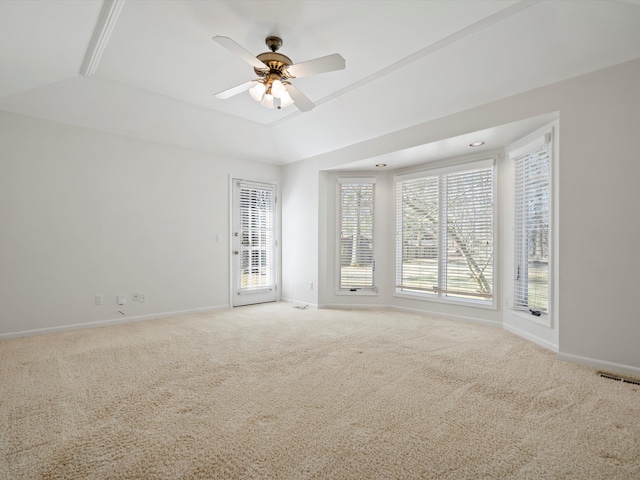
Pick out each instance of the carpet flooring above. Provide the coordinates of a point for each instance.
(274, 392)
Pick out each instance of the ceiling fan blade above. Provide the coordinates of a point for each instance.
(233, 47)
(234, 90)
(317, 65)
(300, 100)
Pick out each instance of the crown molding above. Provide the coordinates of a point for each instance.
(106, 21)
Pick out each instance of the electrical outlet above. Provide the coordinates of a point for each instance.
(99, 299)
(143, 297)
(310, 285)
(122, 299)
(135, 297)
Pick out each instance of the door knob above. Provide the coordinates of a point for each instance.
(236, 252)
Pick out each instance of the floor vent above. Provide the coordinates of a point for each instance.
(618, 378)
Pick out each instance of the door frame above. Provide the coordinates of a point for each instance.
(276, 233)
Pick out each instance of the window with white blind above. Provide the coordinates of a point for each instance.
(356, 198)
(445, 231)
(531, 221)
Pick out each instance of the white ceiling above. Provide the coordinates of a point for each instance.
(407, 62)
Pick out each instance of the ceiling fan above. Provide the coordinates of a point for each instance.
(273, 88)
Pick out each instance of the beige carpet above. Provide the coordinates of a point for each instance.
(274, 392)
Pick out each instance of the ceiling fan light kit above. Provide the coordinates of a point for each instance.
(272, 89)
(271, 92)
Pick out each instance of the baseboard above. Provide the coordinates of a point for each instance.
(104, 323)
(298, 302)
(418, 311)
(601, 364)
(532, 338)
(449, 316)
(351, 306)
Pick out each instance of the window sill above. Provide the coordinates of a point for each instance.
(360, 292)
(544, 319)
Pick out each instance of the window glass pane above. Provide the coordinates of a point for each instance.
(531, 230)
(418, 228)
(256, 225)
(356, 235)
(469, 253)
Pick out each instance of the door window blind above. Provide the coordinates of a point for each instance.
(356, 233)
(256, 230)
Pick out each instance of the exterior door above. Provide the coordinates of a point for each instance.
(253, 243)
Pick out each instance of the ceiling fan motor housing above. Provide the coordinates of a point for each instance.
(276, 62)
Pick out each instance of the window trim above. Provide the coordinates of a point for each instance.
(451, 167)
(546, 135)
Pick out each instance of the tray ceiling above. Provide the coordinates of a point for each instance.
(155, 68)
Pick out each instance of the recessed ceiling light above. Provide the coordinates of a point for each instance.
(379, 165)
(476, 144)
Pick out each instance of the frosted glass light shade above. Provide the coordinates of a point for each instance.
(285, 99)
(278, 89)
(257, 91)
(267, 101)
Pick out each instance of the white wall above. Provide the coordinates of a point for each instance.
(300, 226)
(84, 212)
(599, 223)
(598, 196)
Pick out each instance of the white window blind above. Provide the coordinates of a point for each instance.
(256, 230)
(356, 229)
(531, 226)
(419, 239)
(445, 230)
